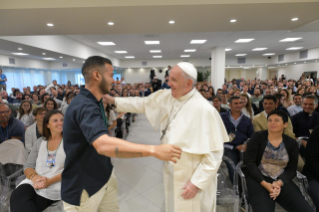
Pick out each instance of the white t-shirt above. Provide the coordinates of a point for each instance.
(246, 113)
(111, 117)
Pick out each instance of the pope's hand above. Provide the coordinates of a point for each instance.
(109, 99)
(190, 190)
(167, 152)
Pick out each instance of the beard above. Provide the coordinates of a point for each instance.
(104, 86)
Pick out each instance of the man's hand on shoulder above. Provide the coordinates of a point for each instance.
(109, 99)
(190, 190)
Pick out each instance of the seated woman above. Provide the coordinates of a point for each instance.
(35, 99)
(311, 168)
(44, 98)
(43, 169)
(35, 131)
(271, 160)
(69, 97)
(50, 104)
(25, 113)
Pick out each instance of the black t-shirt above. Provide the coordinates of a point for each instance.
(84, 168)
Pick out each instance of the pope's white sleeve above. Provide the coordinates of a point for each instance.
(130, 105)
(207, 169)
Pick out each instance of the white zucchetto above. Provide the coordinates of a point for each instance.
(189, 69)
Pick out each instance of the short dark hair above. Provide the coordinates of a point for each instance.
(202, 90)
(46, 119)
(92, 62)
(280, 113)
(278, 96)
(216, 97)
(233, 98)
(310, 96)
(297, 94)
(270, 97)
(38, 110)
(42, 97)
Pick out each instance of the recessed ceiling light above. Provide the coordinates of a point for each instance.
(73, 59)
(106, 43)
(48, 58)
(110, 23)
(289, 39)
(304, 62)
(120, 52)
(294, 48)
(233, 20)
(259, 49)
(155, 51)
(154, 42)
(129, 57)
(227, 50)
(269, 54)
(286, 64)
(20, 49)
(50, 25)
(295, 63)
(244, 40)
(185, 55)
(83, 61)
(20, 53)
(238, 55)
(294, 19)
(190, 50)
(44, 53)
(171, 22)
(61, 57)
(198, 41)
(157, 56)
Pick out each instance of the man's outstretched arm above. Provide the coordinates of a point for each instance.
(118, 148)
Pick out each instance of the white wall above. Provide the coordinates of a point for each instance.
(295, 71)
(22, 62)
(313, 54)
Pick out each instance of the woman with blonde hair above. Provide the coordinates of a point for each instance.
(288, 100)
(247, 109)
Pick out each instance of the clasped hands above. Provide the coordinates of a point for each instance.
(274, 189)
(40, 182)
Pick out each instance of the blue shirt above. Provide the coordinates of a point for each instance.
(15, 128)
(3, 77)
(84, 168)
(233, 121)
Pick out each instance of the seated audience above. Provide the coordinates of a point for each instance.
(43, 169)
(5, 96)
(68, 99)
(287, 98)
(50, 104)
(271, 164)
(11, 128)
(296, 108)
(260, 120)
(35, 99)
(267, 92)
(280, 100)
(247, 108)
(257, 97)
(305, 121)
(18, 99)
(25, 113)
(311, 168)
(239, 129)
(35, 131)
(225, 103)
(217, 104)
(44, 98)
(53, 85)
(245, 90)
(55, 95)
(60, 95)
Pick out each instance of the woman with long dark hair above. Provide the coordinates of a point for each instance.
(43, 169)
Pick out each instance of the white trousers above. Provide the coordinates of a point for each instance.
(103, 200)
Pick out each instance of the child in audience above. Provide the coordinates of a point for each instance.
(25, 113)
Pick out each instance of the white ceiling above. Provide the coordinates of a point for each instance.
(174, 44)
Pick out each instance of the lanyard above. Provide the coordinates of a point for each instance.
(103, 114)
(4, 138)
(56, 149)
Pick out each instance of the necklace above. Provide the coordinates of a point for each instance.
(169, 121)
(52, 162)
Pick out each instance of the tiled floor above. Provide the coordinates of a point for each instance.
(140, 180)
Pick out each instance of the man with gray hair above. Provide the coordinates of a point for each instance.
(188, 121)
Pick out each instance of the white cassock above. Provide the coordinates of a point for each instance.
(199, 131)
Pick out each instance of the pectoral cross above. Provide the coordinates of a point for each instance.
(163, 134)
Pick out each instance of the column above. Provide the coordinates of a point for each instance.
(262, 73)
(218, 60)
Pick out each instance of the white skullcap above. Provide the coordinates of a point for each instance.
(189, 69)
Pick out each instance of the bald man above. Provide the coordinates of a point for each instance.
(188, 121)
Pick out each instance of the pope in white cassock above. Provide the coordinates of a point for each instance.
(188, 121)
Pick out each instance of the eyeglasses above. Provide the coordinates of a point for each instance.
(42, 114)
(4, 112)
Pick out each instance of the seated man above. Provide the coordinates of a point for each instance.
(224, 104)
(260, 120)
(11, 128)
(305, 121)
(296, 108)
(5, 96)
(217, 104)
(280, 100)
(311, 168)
(239, 129)
(267, 91)
(17, 101)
